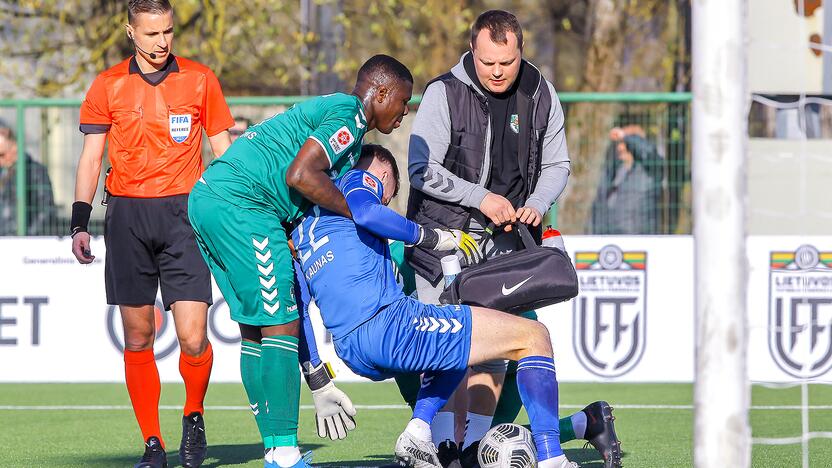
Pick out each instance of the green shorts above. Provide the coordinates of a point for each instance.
(247, 251)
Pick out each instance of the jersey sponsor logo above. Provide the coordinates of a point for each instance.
(799, 312)
(514, 123)
(610, 313)
(507, 291)
(179, 126)
(341, 140)
(370, 182)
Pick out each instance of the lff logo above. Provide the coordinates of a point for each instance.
(800, 311)
(610, 312)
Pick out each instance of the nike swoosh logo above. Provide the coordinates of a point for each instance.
(507, 291)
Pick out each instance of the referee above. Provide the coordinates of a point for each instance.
(151, 110)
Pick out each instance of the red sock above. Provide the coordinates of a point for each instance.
(196, 370)
(144, 388)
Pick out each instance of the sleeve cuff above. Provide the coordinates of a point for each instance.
(475, 198)
(89, 129)
(311, 137)
(538, 204)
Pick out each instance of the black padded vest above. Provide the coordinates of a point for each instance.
(467, 156)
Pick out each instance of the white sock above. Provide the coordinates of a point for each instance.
(286, 456)
(579, 424)
(443, 427)
(419, 429)
(475, 427)
(555, 462)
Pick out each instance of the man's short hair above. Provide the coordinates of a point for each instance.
(498, 23)
(6, 131)
(377, 151)
(136, 7)
(384, 68)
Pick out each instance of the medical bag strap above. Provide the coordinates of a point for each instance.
(525, 235)
(522, 229)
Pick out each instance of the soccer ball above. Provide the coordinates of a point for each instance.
(507, 446)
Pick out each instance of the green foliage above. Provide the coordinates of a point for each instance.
(427, 35)
(54, 48)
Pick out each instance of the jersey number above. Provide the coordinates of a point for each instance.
(315, 244)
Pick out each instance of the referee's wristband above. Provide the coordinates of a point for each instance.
(81, 212)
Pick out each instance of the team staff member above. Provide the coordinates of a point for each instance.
(488, 144)
(152, 110)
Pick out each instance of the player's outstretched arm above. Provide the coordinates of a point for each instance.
(307, 174)
(308, 346)
(369, 213)
(334, 411)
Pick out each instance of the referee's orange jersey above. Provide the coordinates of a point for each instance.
(155, 130)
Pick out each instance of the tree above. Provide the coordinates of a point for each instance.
(624, 46)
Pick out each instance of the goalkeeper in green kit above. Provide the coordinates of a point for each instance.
(240, 210)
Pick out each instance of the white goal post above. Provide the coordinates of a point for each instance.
(720, 110)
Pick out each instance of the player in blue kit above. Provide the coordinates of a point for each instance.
(379, 332)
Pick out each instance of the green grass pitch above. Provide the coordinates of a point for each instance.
(91, 425)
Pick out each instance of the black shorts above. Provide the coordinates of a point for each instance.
(150, 244)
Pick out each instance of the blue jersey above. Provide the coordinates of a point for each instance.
(346, 262)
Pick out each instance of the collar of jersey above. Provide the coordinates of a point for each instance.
(360, 109)
(171, 66)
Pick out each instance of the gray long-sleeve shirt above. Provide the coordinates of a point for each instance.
(431, 137)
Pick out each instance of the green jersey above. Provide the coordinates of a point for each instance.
(252, 172)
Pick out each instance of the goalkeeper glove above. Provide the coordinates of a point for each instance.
(333, 409)
(450, 239)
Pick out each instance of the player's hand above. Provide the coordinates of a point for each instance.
(529, 215)
(81, 247)
(453, 239)
(498, 209)
(334, 410)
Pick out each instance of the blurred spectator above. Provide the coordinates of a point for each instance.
(40, 206)
(627, 201)
(240, 126)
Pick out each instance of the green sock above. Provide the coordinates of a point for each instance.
(509, 404)
(281, 385)
(250, 353)
(567, 431)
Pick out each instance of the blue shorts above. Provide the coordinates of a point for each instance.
(408, 336)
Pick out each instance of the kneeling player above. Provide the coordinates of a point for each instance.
(380, 332)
